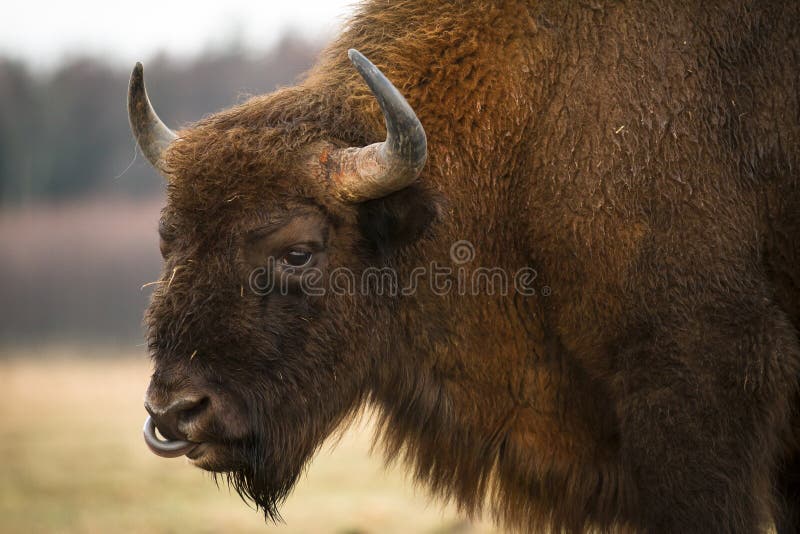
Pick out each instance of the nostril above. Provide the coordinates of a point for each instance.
(177, 407)
(169, 419)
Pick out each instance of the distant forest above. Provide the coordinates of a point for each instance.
(64, 134)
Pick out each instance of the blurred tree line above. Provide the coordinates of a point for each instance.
(65, 134)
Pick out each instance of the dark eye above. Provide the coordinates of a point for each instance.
(166, 234)
(296, 258)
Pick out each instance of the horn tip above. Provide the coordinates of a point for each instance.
(358, 59)
(137, 79)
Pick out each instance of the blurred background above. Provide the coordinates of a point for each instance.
(78, 218)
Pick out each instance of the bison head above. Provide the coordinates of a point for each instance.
(247, 382)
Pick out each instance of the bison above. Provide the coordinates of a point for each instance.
(640, 159)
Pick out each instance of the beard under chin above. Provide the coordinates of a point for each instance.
(265, 468)
(267, 490)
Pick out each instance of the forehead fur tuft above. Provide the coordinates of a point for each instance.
(261, 148)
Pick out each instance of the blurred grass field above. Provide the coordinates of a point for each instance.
(72, 460)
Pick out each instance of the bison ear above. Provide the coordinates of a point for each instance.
(398, 219)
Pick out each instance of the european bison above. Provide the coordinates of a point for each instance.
(641, 158)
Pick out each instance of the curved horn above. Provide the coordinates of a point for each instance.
(379, 169)
(151, 135)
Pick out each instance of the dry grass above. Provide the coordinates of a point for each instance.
(72, 460)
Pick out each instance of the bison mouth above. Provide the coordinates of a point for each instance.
(264, 478)
(197, 452)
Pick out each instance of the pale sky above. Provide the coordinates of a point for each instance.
(43, 32)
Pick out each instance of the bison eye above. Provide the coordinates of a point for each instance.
(296, 258)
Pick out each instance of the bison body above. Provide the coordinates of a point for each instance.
(642, 159)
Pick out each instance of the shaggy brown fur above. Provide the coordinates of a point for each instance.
(643, 159)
